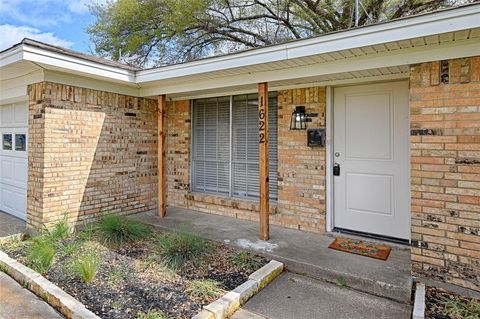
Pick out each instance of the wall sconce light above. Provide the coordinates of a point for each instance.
(298, 121)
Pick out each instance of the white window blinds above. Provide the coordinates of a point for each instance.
(225, 148)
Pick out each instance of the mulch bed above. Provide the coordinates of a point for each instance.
(442, 304)
(131, 279)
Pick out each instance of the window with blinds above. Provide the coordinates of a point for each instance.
(225, 151)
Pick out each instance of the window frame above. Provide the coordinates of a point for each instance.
(230, 194)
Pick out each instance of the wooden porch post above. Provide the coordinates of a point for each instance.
(263, 140)
(161, 167)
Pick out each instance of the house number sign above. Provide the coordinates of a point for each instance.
(261, 119)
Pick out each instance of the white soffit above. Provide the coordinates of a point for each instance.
(361, 41)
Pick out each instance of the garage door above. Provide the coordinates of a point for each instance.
(13, 159)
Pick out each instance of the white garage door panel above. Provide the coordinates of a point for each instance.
(14, 159)
(13, 171)
(14, 115)
(13, 201)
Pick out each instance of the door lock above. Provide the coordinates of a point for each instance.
(336, 169)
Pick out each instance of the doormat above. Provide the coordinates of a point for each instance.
(361, 248)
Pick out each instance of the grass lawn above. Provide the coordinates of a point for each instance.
(121, 268)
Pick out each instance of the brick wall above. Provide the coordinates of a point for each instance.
(301, 169)
(445, 171)
(91, 153)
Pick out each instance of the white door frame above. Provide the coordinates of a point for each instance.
(329, 137)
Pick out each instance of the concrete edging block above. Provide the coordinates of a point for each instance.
(267, 273)
(45, 289)
(225, 306)
(419, 304)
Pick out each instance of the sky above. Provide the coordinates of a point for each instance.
(57, 22)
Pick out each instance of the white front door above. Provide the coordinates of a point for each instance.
(371, 146)
(13, 159)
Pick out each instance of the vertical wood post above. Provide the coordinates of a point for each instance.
(263, 140)
(161, 167)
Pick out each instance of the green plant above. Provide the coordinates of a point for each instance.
(88, 231)
(179, 247)
(86, 266)
(151, 314)
(244, 259)
(41, 253)
(117, 230)
(341, 282)
(69, 249)
(116, 277)
(204, 289)
(60, 230)
(457, 308)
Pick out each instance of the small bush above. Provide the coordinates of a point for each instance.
(151, 314)
(41, 254)
(86, 266)
(204, 289)
(117, 230)
(179, 247)
(69, 249)
(88, 231)
(60, 230)
(245, 260)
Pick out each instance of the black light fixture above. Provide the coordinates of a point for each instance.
(299, 119)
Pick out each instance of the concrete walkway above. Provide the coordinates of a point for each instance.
(296, 297)
(302, 252)
(18, 302)
(10, 225)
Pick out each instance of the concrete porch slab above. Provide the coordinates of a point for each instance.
(302, 252)
(10, 225)
(294, 296)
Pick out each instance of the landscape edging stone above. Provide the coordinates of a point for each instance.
(45, 289)
(226, 305)
(419, 303)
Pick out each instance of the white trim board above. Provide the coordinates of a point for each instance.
(378, 60)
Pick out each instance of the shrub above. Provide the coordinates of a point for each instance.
(60, 230)
(86, 266)
(204, 289)
(151, 314)
(117, 230)
(88, 231)
(245, 260)
(68, 249)
(179, 247)
(41, 254)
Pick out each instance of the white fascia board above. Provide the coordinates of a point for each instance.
(409, 56)
(425, 25)
(90, 83)
(73, 64)
(11, 56)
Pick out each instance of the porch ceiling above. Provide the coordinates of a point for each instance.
(367, 75)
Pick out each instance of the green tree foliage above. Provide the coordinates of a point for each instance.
(156, 32)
